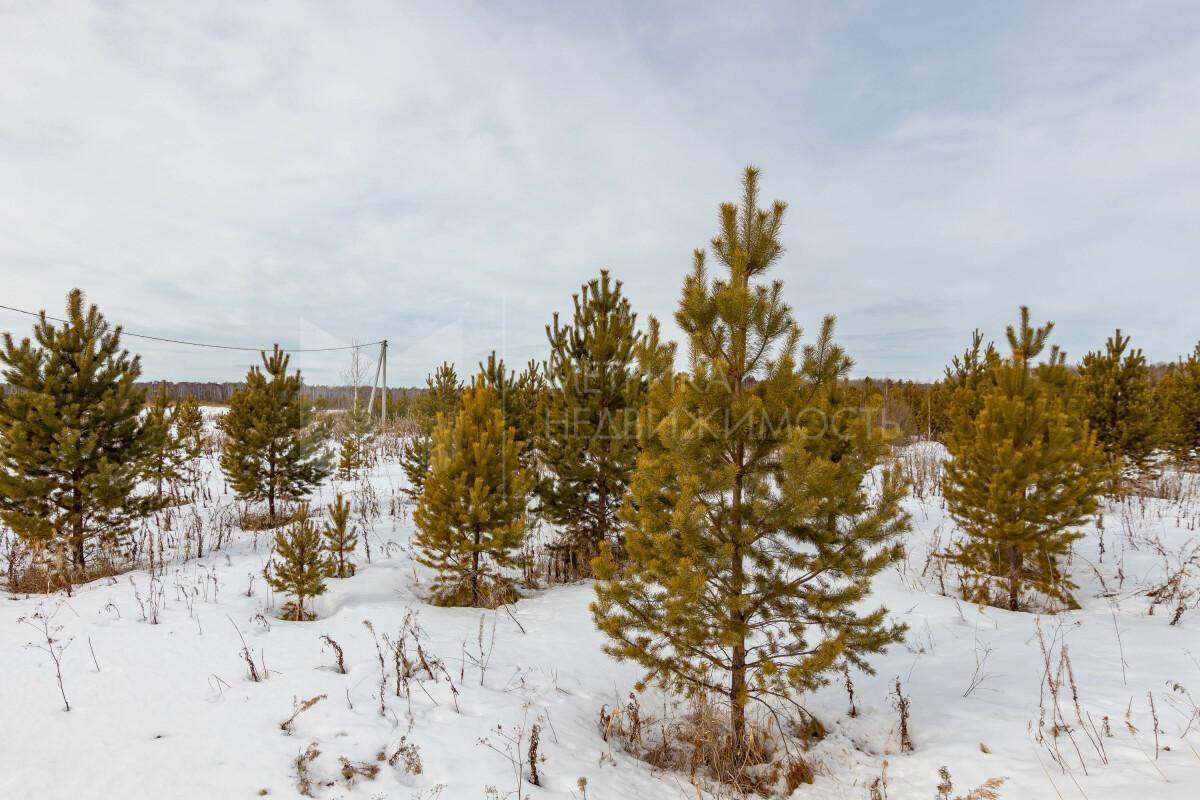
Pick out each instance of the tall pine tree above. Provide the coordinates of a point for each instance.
(73, 440)
(443, 391)
(1115, 397)
(751, 536)
(1025, 471)
(471, 515)
(275, 447)
(588, 436)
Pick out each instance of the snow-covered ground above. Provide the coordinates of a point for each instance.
(168, 710)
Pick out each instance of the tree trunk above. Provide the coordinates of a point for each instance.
(737, 700)
(737, 667)
(271, 488)
(1014, 578)
(77, 531)
(475, 569)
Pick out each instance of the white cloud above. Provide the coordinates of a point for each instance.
(446, 176)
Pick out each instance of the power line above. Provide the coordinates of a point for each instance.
(203, 344)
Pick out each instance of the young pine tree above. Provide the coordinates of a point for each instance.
(471, 515)
(300, 565)
(443, 391)
(167, 462)
(189, 427)
(751, 536)
(188, 423)
(1025, 471)
(519, 398)
(588, 439)
(341, 539)
(1179, 406)
(73, 440)
(274, 448)
(357, 436)
(1115, 398)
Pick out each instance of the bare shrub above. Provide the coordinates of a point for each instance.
(534, 740)
(50, 642)
(923, 464)
(358, 769)
(988, 790)
(509, 743)
(1053, 724)
(407, 755)
(339, 656)
(252, 670)
(901, 702)
(304, 780)
(298, 708)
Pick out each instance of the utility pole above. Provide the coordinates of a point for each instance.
(375, 382)
(383, 406)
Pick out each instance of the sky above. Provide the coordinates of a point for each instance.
(446, 175)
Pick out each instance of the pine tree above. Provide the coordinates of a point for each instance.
(189, 432)
(73, 440)
(588, 441)
(349, 458)
(1115, 397)
(301, 565)
(341, 539)
(471, 515)
(1025, 471)
(965, 378)
(751, 537)
(189, 427)
(275, 445)
(519, 398)
(357, 436)
(1179, 406)
(443, 391)
(167, 462)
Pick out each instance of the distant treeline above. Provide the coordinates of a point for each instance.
(329, 396)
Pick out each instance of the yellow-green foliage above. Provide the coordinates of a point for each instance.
(341, 539)
(471, 513)
(1179, 406)
(441, 396)
(300, 565)
(1025, 472)
(1114, 393)
(275, 445)
(751, 537)
(357, 435)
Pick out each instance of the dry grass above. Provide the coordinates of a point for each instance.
(697, 742)
(264, 521)
(30, 575)
(494, 591)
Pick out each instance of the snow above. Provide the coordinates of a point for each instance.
(171, 711)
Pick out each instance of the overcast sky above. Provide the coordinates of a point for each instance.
(446, 174)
